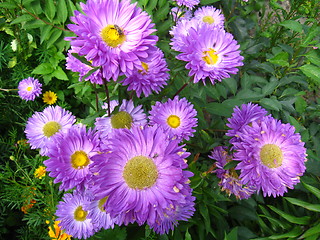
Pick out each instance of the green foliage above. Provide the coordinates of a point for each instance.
(281, 72)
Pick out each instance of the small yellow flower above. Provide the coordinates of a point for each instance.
(40, 172)
(49, 97)
(56, 233)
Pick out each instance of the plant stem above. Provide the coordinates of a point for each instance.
(97, 100)
(183, 87)
(107, 94)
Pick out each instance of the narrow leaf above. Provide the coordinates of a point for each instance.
(293, 219)
(306, 205)
(312, 189)
(22, 18)
(293, 25)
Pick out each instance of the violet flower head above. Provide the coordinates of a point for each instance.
(112, 34)
(29, 89)
(272, 156)
(210, 15)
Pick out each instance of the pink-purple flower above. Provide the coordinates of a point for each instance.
(29, 89)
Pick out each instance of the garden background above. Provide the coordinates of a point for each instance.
(279, 41)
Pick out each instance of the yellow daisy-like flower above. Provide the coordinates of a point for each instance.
(56, 233)
(40, 172)
(49, 97)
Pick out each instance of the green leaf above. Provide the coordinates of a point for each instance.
(90, 72)
(269, 88)
(45, 32)
(60, 74)
(22, 18)
(281, 58)
(62, 11)
(151, 6)
(306, 205)
(231, 164)
(162, 13)
(313, 57)
(207, 2)
(311, 231)
(293, 234)
(50, 9)
(187, 236)
(300, 104)
(312, 72)
(43, 69)
(8, 5)
(293, 219)
(271, 104)
(312, 189)
(231, 83)
(233, 235)
(55, 34)
(295, 123)
(224, 109)
(293, 25)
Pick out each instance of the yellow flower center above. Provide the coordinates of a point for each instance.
(79, 159)
(101, 203)
(51, 128)
(145, 67)
(140, 172)
(113, 35)
(29, 89)
(208, 19)
(210, 57)
(173, 121)
(80, 214)
(121, 120)
(271, 156)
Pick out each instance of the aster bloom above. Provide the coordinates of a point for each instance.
(210, 52)
(70, 156)
(49, 97)
(40, 172)
(177, 117)
(127, 116)
(99, 216)
(243, 116)
(210, 15)
(76, 65)
(272, 156)
(43, 126)
(141, 175)
(188, 3)
(113, 34)
(29, 88)
(153, 77)
(230, 181)
(178, 14)
(73, 218)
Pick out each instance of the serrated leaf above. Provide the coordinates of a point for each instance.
(22, 18)
(231, 83)
(55, 34)
(162, 13)
(281, 58)
(43, 69)
(62, 11)
(271, 104)
(312, 72)
(269, 88)
(300, 104)
(293, 219)
(60, 74)
(306, 205)
(293, 25)
(50, 10)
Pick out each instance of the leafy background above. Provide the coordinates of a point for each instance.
(279, 41)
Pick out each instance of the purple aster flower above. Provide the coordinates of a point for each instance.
(179, 14)
(210, 15)
(112, 34)
(210, 52)
(76, 65)
(113, 105)
(70, 156)
(230, 181)
(180, 32)
(177, 117)
(42, 126)
(72, 216)
(127, 116)
(152, 76)
(188, 3)
(141, 175)
(243, 116)
(98, 215)
(272, 156)
(29, 88)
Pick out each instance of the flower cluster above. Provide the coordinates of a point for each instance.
(271, 155)
(204, 44)
(115, 38)
(127, 169)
